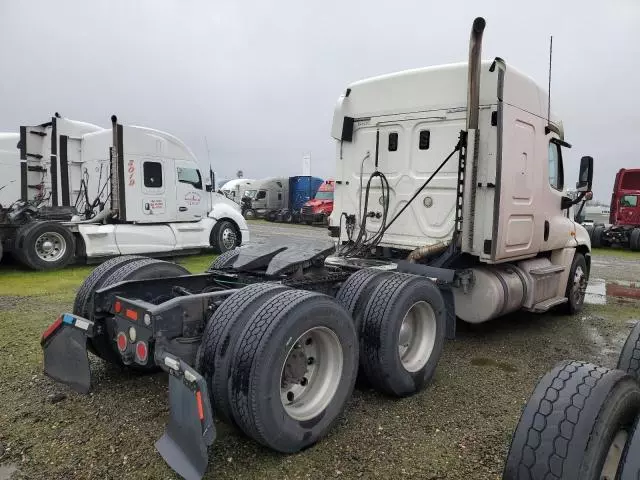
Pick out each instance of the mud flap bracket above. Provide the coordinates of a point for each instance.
(190, 431)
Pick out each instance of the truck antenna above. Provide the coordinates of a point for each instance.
(549, 90)
(211, 176)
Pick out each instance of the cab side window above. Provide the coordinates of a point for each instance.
(556, 172)
(152, 173)
(261, 195)
(629, 201)
(191, 176)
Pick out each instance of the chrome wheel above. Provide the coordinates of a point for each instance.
(579, 286)
(612, 462)
(417, 336)
(229, 238)
(311, 373)
(50, 246)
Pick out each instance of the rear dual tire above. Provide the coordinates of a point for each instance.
(401, 322)
(280, 364)
(280, 394)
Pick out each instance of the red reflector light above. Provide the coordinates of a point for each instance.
(131, 314)
(199, 402)
(117, 306)
(122, 342)
(142, 352)
(51, 328)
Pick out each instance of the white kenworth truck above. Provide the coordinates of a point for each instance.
(449, 202)
(90, 193)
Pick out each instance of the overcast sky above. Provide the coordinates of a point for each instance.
(260, 79)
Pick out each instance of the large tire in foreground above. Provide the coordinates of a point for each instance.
(81, 305)
(596, 236)
(575, 425)
(294, 368)
(224, 236)
(355, 291)
(576, 284)
(142, 269)
(47, 245)
(220, 336)
(402, 334)
(634, 240)
(224, 260)
(629, 360)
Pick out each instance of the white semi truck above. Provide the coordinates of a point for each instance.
(88, 193)
(449, 202)
(236, 188)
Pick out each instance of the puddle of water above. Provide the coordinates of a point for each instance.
(596, 292)
(7, 470)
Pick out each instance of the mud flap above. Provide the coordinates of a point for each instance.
(190, 430)
(64, 345)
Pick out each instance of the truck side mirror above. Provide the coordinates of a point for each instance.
(585, 176)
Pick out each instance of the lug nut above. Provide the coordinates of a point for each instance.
(304, 381)
(310, 361)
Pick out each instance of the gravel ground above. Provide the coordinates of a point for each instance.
(458, 428)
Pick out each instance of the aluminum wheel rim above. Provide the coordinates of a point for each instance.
(579, 285)
(50, 246)
(306, 390)
(612, 462)
(228, 238)
(417, 336)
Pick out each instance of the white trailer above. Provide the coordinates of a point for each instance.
(87, 192)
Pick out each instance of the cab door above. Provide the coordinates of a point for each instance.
(191, 202)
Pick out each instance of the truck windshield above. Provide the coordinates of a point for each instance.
(250, 193)
(629, 201)
(324, 196)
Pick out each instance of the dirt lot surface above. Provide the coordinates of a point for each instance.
(458, 428)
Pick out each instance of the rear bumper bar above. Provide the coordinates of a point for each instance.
(190, 430)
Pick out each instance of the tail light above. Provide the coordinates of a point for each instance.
(117, 306)
(122, 341)
(142, 352)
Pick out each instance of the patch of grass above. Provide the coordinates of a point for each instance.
(17, 281)
(21, 282)
(616, 252)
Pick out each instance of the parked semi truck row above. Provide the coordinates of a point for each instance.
(279, 198)
(89, 193)
(449, 202)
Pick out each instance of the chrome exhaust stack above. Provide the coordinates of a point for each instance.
(468, 170)
(473, 83)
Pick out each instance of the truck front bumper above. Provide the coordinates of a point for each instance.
(190, 430)
(315, 217)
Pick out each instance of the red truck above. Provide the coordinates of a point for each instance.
(624, 214)
(319, 209)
